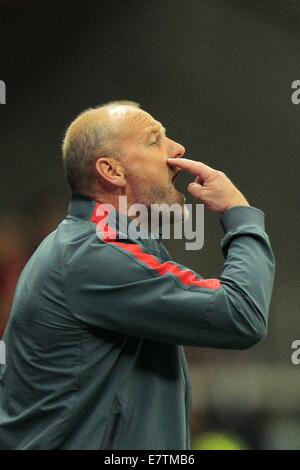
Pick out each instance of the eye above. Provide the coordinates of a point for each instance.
(156, 141)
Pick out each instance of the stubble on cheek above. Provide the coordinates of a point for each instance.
(147, 193)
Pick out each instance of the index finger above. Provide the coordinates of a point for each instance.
(195, 168)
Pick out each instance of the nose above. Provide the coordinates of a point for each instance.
(176, 150)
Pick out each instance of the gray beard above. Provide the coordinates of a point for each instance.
(155, 218)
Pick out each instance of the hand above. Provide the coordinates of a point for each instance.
(212, 187)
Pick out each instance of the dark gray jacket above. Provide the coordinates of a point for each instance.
(94, 341)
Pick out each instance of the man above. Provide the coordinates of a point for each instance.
(94, 341)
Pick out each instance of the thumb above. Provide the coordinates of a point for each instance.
(196, 189)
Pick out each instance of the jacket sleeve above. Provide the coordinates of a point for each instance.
(120, 287)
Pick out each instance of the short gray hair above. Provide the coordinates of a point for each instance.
(86, 139)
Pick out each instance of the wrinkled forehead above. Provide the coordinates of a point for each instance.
(135, 124)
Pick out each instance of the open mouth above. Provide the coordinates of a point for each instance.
(176, 173)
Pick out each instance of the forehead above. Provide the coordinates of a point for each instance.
(139, 123)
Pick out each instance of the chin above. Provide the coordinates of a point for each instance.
(177, 198)
(180, 198)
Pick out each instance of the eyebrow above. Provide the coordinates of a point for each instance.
(156, 130)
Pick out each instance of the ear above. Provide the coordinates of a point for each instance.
(110, 171)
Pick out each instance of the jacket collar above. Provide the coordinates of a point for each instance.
(119, 225)
(81, 207)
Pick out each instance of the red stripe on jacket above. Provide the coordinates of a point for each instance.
(186, 277)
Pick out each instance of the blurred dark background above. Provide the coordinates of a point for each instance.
(218, 75)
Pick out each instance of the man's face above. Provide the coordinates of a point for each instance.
(145, 149)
